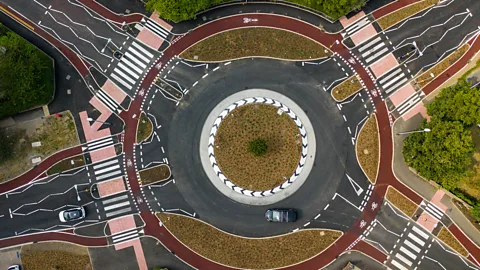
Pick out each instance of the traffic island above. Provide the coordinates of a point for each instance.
(346, 89)
(55, 255)
(247, 253)
(67, 164)
(368, 148)
(400, 201)
(144, 128)
(447, 237)
(255, 42)
(155, 174)
(257, 146)
(393, 18)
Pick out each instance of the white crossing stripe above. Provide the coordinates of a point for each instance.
(121, 211)
(408, 253)
(111, 168)
(396, 86)
(420, 232)
(403, 259)
(156, 30)
(365, 46)
(368, 60)
(118, 205)
(114, 199)
(130, 64)
(135, 68)
(390, 82)
(435, 211)
(119, 72)
(99, 141)
(357, 25)
(412, 246)
(143, 50)
(398, 70)
(139, 55)
(138, 62)
(115, 77)
(125, 236)
(128, 71)
(374, 49)
(398, 265)
(101, 165)
(108, 175)
(106, 100)
(96, 147)
(124, 233)
(416, 239)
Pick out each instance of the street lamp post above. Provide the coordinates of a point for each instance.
(93, 120)
(414, 131)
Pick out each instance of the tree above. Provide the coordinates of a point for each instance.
(442, 155)
(6, 146)
(338, 8)
(476, 211)
(457, 103)
(179, 10)
(258, 147)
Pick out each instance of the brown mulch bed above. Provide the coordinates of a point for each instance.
(249, 42)
(247, 253)
(447, 237)
(66, 165)
(346, 89)
(144, 129)
(401, 202)
(395, 17)
(250, 122)
(441, 66)
(155, 174)
(55, 255)
(368, 148)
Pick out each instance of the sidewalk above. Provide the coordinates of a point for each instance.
(424, 188)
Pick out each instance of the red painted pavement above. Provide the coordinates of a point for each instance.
(40, 169)
(54, 236)
(466, 242)
(110, 15)
(392, 7)
(371, 251)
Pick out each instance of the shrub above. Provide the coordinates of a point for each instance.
(258, 147)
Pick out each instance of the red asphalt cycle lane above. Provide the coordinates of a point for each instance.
(54, 236)
(109, 15)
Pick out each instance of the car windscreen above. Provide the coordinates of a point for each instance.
(72, 214)
(276, 216)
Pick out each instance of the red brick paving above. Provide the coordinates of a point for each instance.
(114, 91)
(89, 130)
(402, 94)
(384, 65)
(110, 187)
(148, 37)
(163, 23)
(101, 154)
(363, 35)
(346, 22)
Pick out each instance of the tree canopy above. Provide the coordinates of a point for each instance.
(457, 103)
(181, 10)
(24, 71)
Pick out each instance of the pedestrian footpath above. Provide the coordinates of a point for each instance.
(408, 252)
(131, 66)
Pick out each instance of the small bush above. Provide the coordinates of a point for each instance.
(258, 147)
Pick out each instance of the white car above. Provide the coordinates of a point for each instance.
(14, 267)
(72, 214)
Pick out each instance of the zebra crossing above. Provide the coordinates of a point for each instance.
(116, 205)
(156, 28)
(357, 26)
(125, 236)
(411, 249)
(409, 103)
(433, 210)
(108, 101)
(393, 80)
(99, 144)
(373, 49)
(108, 169)
(131, 66)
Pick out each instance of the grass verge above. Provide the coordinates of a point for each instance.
(393, 18)
(155, 174)
(257, 121)
(144, 129)
(441, 66)
(368, 151)
(447, 237)
(346, 89)
(66, 165)
(401, 202)
(53, 133)
(55, 255)
(250, 42)
(258, 253)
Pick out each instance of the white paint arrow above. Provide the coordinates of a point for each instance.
(355, 186)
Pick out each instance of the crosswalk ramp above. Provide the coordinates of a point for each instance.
(156, 28)
(99, 144)
(393, 80)
(109, 102)
(410, 250)
(433, 210)
(357, 26)
(409, 103)
(108, 169)
(117, 205)
(125, 236)
(373, 49)
(131, 66)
